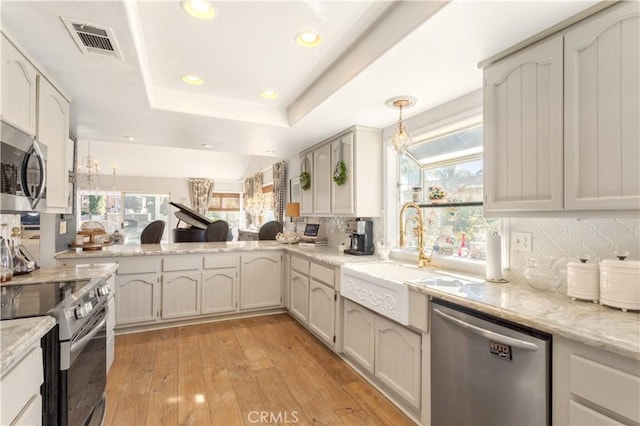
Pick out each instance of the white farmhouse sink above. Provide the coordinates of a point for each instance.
(379, 286)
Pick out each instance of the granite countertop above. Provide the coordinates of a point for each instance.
(325, 254)
(64, 273)
(553, 312)
(17, 336)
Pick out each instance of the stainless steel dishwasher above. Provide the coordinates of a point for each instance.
(487, 371)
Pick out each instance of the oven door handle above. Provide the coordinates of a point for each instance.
(76, 345)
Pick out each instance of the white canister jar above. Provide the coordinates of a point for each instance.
(583, 281)
(620, 284)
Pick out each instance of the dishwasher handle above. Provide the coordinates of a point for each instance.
(501, 338)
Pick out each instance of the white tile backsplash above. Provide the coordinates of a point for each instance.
(565, 239)
(335, 226)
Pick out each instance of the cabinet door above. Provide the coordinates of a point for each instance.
(299, 296)
(180, 294)
(322, 311)
(219, 291)
(602, 130)
(53, 131)
(342, 196)
(261, 280)
(523, 130)
(359, 334)
(18, 89)
(136, 298)
(398, 359)
(321, 181)
(306, 195)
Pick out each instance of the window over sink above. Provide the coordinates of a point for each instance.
(443, 172)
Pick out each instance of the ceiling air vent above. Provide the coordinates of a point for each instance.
(93, 38)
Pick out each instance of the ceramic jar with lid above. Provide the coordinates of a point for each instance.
(583, 281)
(620, 284)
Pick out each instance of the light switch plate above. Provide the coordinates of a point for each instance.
(63, 227)
(521, 241)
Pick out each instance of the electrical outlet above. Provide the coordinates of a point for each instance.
(521, 241)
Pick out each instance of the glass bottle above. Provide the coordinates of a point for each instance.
(6, 258)
(541, 276)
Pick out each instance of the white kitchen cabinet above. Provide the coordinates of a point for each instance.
(260, 280)
(342, 196)
(322, 311)
(523, 130)
(219, 288)
(53, 131)
(359, 334)
(593, 386)
(137, 298)
(180, 294)
(299, 300)
(602, 130)
(18, 89)
(362, 154)
(398, 358)
(20, 399)
(306, 195)
(389, 351)
(561, 120)
(321, 180)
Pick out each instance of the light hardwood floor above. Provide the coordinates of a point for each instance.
(260, 370)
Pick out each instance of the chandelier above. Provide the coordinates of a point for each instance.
(92, 172)
(400, 138)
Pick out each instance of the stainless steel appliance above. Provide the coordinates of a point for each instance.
(487, 371)
(23, 171)
(76, 378)
(361, 237)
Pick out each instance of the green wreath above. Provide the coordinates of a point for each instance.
(305, 180)
(340, 175)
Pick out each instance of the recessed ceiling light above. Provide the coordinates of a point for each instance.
(206, 145)
(192, 79)
(201, 9)
(269, 94)
(308, 39)
(129, 138)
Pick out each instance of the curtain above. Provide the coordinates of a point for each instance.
(200, 190)
(279, 190)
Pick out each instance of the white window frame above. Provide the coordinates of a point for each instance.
(449, 124)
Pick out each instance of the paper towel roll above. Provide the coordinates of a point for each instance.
(494, 257)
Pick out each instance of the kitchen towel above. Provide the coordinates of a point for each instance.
(494, 257)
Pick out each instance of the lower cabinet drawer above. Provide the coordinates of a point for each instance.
(323, 274)
(579, 415)
(608, 387)
(20, 385)
(32, 413)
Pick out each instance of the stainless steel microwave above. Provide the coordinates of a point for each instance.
(23, 171)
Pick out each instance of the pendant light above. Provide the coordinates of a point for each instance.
(400, 138)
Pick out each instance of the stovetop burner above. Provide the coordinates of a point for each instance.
(71, 303)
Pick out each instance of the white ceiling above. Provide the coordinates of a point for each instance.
(371, 51)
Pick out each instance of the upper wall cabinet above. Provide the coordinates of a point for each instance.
(18, 89)
(523, 130)
(602, 117)
(561, 120)
(358, 189)
(53, 131)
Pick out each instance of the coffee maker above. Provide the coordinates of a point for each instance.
(361, 235)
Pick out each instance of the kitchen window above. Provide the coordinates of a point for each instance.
(444, 173)
(128, 212)
(225, 206)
